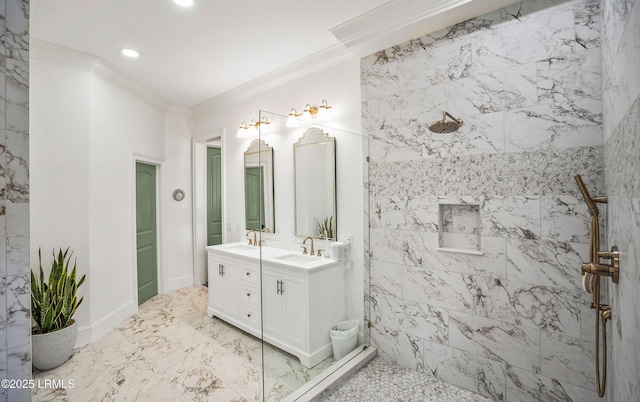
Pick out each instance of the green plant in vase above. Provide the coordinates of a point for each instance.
(53, 304)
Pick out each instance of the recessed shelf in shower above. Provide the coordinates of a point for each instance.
(459, 228)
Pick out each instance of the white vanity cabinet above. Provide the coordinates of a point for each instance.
(301, 296)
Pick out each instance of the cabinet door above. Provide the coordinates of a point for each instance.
(294, 293)
(231, 292)
(272, 318)
(223, 285)
(216, 283)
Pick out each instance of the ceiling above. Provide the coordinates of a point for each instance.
(189, 55)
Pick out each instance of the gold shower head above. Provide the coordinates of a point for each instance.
(445, 127)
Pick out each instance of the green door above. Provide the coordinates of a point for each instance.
(214, 196)
(253, 201)
(146, 231)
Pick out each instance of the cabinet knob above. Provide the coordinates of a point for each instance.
(248, 315)
(248, 294)
(248, 274)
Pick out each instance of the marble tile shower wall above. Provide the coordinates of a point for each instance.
(621, 50)
(513, 323)
(15, 309)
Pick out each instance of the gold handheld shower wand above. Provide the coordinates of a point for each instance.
(594, 267)
(592, 271)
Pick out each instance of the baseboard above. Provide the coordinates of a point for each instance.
(98, 329)
(179, 283)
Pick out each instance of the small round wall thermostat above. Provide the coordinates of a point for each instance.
(178, 195)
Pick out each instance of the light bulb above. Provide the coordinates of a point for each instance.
(130, 52)
(184, 3)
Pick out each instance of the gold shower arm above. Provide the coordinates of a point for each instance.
(459, 121)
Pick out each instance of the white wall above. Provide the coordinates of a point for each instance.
(87, 130)
(59, 166)
(340, 85)
(179, 244)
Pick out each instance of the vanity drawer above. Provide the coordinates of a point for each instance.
(249, 274)
(249, 295)
(250, 315)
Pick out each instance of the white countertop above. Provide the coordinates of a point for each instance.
(276, 256)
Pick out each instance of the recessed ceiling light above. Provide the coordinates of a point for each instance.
(130, 52)
(184, 3)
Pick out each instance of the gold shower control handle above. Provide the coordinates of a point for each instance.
(612, 270)
(610, 255)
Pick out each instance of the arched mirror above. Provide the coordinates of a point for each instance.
(258, 187)
(314, 160)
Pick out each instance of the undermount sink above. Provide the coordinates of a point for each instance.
(241, 247)
(297, 258)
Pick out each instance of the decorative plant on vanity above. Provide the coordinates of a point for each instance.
(326, 227)
(53, 304)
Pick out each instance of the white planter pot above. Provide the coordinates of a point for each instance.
(54, 348)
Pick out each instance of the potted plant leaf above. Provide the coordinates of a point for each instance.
(325, 228)
(53, 303)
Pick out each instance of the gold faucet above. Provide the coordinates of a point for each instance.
(255, 240)
(313, 252)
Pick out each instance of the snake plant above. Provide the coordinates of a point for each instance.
(326, 227)
(54, 302)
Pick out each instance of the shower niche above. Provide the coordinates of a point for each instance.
(459, 228)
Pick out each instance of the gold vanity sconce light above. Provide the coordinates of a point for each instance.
(309, 113)
(251, 130)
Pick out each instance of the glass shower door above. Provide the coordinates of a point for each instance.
(320, 204)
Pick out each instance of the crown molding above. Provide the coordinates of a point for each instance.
(42, 50)
(399, 21)
(318, 61)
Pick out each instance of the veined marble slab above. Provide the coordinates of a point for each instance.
(416, 319)
(495, 340)
(470, 371)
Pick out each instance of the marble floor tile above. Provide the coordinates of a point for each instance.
(170, 350)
